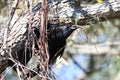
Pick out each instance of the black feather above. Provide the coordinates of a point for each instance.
(56, 44)
(56, 40)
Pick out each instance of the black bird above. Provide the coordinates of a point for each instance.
(56, 40)
(56, 44)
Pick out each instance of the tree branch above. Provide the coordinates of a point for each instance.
(88, 14)
(95, 49)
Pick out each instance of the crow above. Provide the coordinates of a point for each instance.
(56, 43)
(56, 39)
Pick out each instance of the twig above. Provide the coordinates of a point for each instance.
(16, 2)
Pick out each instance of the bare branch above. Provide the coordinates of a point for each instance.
(95, 49)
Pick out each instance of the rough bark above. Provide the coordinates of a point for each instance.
(87, 15)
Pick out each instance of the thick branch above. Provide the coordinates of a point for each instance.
(89, 14)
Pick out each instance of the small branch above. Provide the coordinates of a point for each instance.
(15, 5)
(75, 62)
(95, 49)
(43, 44)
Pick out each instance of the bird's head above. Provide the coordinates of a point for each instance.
(58, 33)
(61, 33)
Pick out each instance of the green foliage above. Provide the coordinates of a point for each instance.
(2, 4)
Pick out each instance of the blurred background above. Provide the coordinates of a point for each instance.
(92, 52)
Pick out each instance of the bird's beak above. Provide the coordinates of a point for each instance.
(75, 27)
